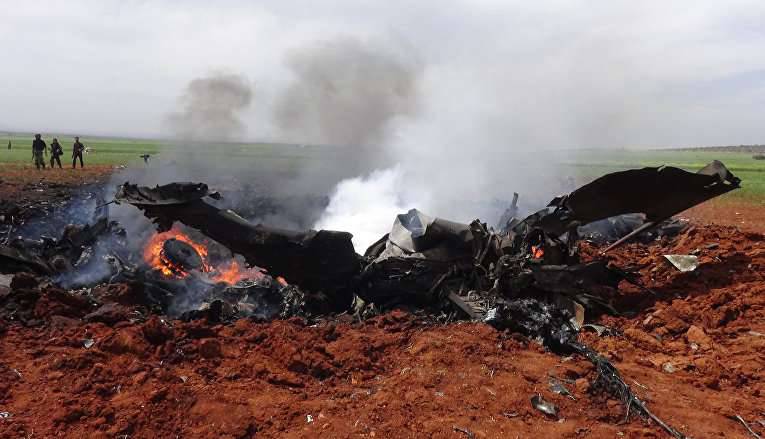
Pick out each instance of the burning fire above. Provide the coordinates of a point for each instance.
(154, 256)
(229, 272)
(233, 273)
(537, 252)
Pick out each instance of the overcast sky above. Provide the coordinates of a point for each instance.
(554, 73)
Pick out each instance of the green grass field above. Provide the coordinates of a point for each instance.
(120, 151)
(107, 151)
(584, 165)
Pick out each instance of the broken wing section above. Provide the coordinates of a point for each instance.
(659, 193)
(168, 194)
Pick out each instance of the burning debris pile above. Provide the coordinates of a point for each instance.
(175, 254)
(526, 276)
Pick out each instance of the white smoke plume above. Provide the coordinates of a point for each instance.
(368, 205)
(460, 159)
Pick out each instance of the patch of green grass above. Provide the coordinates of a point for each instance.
(585, 165)
(118, 151)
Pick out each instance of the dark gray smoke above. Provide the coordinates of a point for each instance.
(210, 115)
(348, 94)
(211, 108)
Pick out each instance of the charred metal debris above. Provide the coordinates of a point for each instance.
(525, 275)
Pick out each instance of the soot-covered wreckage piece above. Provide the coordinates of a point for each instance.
(656, 192)
(423, 261)
(428, 261)
(315, 260)
(615, 207)
(49, 256)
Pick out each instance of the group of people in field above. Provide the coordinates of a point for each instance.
(40, 149)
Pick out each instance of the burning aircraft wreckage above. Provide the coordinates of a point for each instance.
(525, 275)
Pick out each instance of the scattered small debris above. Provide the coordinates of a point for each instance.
(748, 428)
(308, 419)
(5, 415)
(668, 367)
(601, 330)
(465, 431)
(684, 263)
(88, 343)
(544, 406)
(510, 414)
(640, 385)
(557, 387)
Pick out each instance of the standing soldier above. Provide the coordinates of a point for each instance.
(9, 143)
(77, 149)
(38, 149)
(56, 151)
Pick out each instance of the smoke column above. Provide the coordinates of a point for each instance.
(348, 94)
(209, 113)
(211, 107)
(460, 156)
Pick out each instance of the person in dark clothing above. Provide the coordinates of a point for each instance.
(77, 149)
(38, 149)
(56, 151)
(9, 144)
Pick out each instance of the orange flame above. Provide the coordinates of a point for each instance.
(229, 272)
(153, 255)
(537, 252)
(232, 272)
